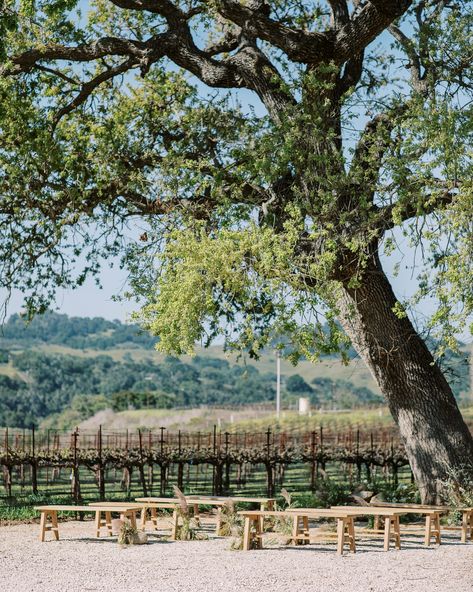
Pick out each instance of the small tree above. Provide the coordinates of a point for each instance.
(296, 384)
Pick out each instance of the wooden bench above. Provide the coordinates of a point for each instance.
(432, 518)
(103, 516)
(253, 526)
(391, 522)
(265, 503)
(465, 528)
(195, 502)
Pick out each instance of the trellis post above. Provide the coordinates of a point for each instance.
(101, 471)
(141, 469)
(162, 473)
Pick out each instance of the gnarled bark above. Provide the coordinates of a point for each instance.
(436, 438)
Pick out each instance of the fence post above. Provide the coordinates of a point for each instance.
(101, 467)
(140, 466)
(162, 478)
(269, 467)
(214, 476)
(180, 464)
(313, 470)
(322, 461)
(8, 472)
(75, 470)
(227, 464)
(358, 461)
(150, 463)
(34, 473)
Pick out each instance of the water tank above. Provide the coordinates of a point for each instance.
(304, 406)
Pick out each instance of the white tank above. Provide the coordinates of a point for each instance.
(304, 406)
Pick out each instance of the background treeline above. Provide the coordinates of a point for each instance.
(36, 384)
(47, 384)
(75, 332)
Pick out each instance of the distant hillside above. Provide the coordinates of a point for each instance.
(64, 370)
(75, 332)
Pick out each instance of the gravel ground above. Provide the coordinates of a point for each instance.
(79, 562)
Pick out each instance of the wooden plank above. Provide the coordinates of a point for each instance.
(65, 508)
(366, 511)
(409, 506)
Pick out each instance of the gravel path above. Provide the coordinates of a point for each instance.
(81, 563)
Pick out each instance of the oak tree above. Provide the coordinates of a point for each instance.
(251, 161)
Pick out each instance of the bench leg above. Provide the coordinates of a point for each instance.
(98, 522)
(247, 534)
(397, 532)
(131, 515)
(340, 535)
(54, 526)
(108, 523)
(295, 530)
(196, 514)
(48, 521)
(154, 517)
(143, 517)
(259, 533)
(305, 525)
(387, 532)
(175, 519)
(351, 534)
(437, 529)
(42, 526)
(428, 530)
(464, 531)
(219, 521)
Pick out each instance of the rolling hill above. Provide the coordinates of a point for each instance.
(61, 370)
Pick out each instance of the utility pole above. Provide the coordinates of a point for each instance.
(278, 383)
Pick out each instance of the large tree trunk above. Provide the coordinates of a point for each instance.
(437, 440)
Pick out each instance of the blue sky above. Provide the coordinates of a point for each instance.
(90, 300)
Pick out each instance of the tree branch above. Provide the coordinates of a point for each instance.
(88, 87)
(340, 14)
(365, 26)
(316, 47)
(299, 45)
(103, 47)
(412, 209)
(370, 149)
(168, 10)
(351, 74)
(57, 73)
(417, 79)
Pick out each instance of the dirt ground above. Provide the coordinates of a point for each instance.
(80, 562)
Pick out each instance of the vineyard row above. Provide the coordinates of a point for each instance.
(101, 452)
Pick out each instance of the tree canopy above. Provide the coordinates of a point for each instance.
(112, 148)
